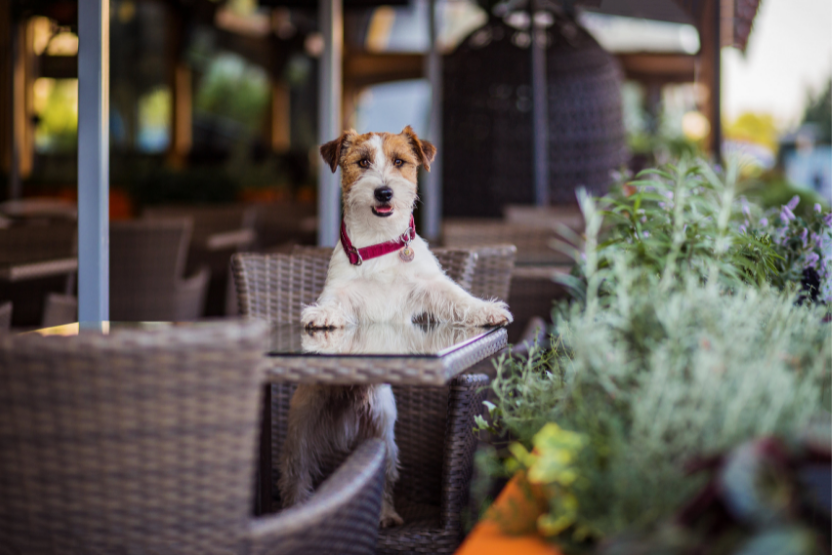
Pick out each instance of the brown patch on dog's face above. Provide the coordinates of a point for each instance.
(379, 171)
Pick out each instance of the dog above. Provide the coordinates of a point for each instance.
(380, 271)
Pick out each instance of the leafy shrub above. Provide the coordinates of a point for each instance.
(679, 349)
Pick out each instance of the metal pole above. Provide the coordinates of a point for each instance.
(93, 163)
(331, 23)
(716, 94)
(14, 187)
(432, 214)
(540, 111)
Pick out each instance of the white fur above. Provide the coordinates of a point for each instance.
(383, 289)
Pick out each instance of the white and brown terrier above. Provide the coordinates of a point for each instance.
(380, 271)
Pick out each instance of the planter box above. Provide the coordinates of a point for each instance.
(490, 536)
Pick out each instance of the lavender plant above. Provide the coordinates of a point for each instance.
(661, 363)
(803, 246)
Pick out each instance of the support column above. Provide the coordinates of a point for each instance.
(280, 113)
(6, 127)
(23, 133)
(432, 197)
(710, 67)
(540, 110)
(93, 163)
(331, 24)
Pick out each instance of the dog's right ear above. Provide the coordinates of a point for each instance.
(331, 151)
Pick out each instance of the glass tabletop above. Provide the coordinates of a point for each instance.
(377, 339)
(365, 340)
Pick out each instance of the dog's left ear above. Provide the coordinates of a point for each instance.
(424, 150)
(331, 151)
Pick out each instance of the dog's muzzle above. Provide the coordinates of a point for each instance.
(383, 195)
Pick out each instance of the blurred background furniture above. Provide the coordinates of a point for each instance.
(59, 310)
(36, 258)
(5, 316)
(108, 437)
(488, 119)
(434, 429)
(218, 232)
(147, 265)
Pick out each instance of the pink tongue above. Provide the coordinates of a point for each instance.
(383, 209)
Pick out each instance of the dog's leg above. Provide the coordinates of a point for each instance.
(306, 440)
(446, 301)
(382, 424)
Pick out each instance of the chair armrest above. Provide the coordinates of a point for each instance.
(341, 517)
(234, 239)
(190, 295)
(465, 398)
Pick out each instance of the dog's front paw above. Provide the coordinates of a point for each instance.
(389, 517)
(492, 313)
(323, 317)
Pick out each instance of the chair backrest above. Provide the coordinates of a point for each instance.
(5, 316)
(491, 278)
(276, 287)
(147, 258)
(38, 242)
(534, 243)
(134, 442)
(207, 219)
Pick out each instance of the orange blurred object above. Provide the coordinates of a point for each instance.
(517, 511)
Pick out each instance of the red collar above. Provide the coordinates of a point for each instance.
(357, 256)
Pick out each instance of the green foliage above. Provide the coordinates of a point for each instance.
(235, 90)
(773, 190)
(665, 360)
(679, 222)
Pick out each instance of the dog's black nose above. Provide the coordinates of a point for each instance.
(383, 194)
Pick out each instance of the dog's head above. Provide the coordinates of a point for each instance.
(378, 173)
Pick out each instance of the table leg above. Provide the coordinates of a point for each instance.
(263, 502)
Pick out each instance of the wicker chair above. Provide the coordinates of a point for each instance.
(144, 442)
(147, 261)
(458, 264)
(5, 316)
(434, 426)
(218, 232)
(533, 242)
(36, 241)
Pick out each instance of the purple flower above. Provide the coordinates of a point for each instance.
(645, 234)
(827, 220)
(817, 207)
(763, 222)
(742, 228)
(812, 259)
(786, 213)
(668, 194)
(745, 209)
(794, 202)
(803, 236)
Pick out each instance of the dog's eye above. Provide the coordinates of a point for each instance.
(364, 163)
(398, 162)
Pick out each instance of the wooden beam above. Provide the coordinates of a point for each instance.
(22, 97)
(362, 69)
(710, 73)
(280, 112)
(664, 68)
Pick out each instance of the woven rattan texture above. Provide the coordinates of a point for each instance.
(342, 516)
(493, 265)
(147, 263)
(129, 442)
(5, 316)
(32, 243)
(488, 126)
(276, 287)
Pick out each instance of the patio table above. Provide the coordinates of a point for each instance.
(398, 354)
(35, 269)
